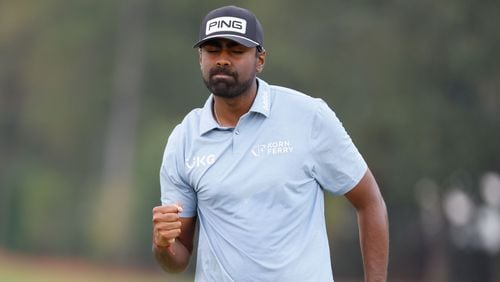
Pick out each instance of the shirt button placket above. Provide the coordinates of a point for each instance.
(236, 140)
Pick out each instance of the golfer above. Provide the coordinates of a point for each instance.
(251, 168)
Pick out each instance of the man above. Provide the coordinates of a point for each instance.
(251, 167)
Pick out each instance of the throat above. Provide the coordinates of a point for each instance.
(227, 120)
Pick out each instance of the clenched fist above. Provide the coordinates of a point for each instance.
(166, 225)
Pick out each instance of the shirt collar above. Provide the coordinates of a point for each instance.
(262, 102)
(261, 105)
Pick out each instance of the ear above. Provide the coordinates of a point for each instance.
(261, 61)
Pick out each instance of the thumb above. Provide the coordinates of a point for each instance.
(179, 207)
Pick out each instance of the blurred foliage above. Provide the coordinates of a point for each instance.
(416, 83)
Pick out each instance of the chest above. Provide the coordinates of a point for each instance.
(248, 162)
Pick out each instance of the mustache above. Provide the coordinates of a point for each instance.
(222, 70)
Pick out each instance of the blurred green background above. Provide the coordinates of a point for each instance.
(90, 90)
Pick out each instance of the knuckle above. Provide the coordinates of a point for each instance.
(171, 217)
(156, 219)
(167, 235)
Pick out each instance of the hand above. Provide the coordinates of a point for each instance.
(166, 225)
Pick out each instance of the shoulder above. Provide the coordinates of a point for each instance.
(191, 121)
(189, 126)
(193, 117)
(294, 100)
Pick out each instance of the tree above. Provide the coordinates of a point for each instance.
(111, 232)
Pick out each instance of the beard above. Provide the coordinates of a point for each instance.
(229, 86)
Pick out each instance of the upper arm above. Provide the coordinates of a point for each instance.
(337, 164)
(366, 193)
(175, 188)
(373, 227)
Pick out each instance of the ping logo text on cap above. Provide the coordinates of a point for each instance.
(230, 24)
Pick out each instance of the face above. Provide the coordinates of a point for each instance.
(229, 68)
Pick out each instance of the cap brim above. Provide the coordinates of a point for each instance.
(240, 39)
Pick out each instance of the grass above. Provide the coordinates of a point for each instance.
(21, 268)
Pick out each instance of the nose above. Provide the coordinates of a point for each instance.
(223, 60)
(223, 63)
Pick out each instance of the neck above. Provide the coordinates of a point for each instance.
(228, 111)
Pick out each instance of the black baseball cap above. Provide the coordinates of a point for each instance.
(234, 23)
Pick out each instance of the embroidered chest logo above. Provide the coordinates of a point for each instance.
(199, 161)
(272, 148)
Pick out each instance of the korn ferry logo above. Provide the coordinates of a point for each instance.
(230, 24)
(198, 161)
(272, 148)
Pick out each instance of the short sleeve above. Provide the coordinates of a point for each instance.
(337, 164)
(174, 189)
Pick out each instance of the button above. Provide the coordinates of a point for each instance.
(237, 132)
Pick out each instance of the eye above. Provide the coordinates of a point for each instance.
(238, 51)
(211, 49)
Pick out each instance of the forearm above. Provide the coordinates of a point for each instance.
(173, 259)
(374, 240)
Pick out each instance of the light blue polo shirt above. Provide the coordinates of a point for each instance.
(257, 189)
